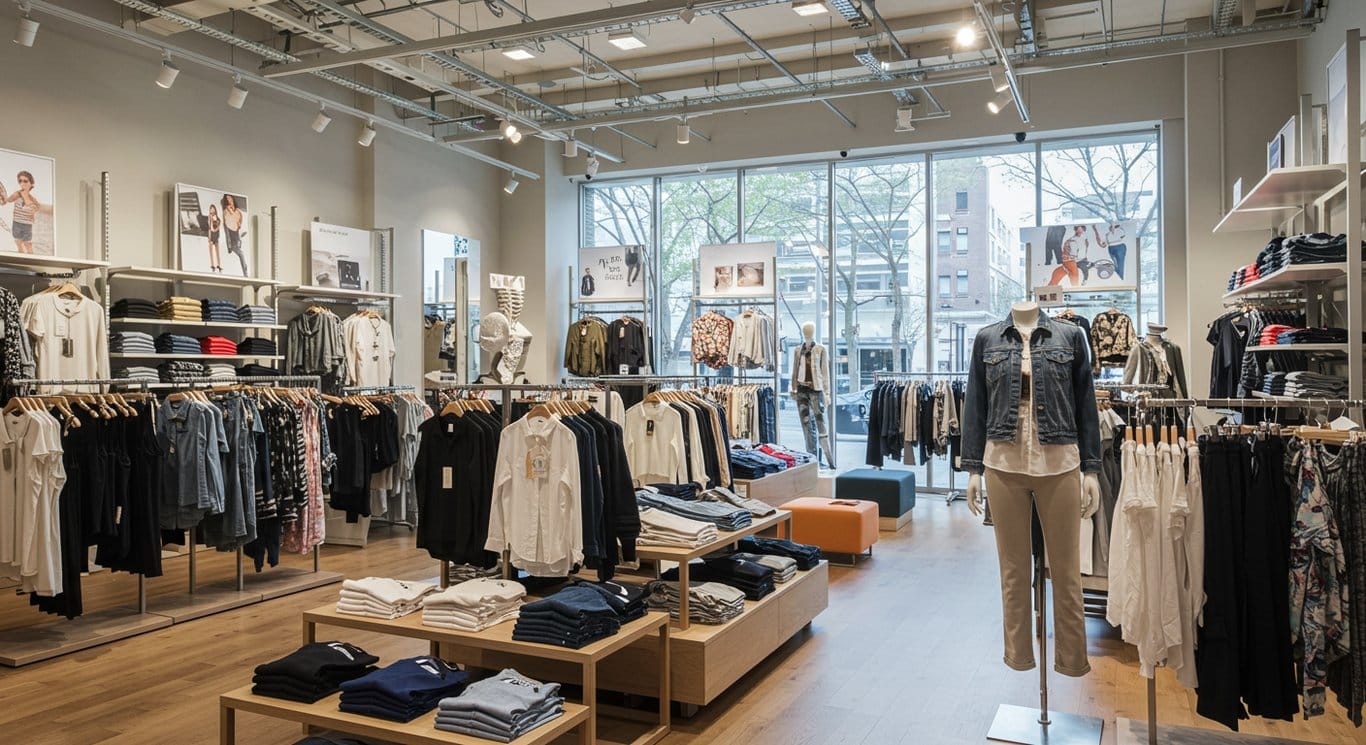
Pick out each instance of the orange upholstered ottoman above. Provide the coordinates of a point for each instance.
(840, 526)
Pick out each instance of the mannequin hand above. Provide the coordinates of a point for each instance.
(975, 493)
(1090, 495)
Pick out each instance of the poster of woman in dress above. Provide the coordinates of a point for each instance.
(213, 228)
(27, 191)
(1093, 256)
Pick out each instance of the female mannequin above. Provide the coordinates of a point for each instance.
(810, 391)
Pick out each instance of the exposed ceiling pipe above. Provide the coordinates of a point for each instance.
(333, 106)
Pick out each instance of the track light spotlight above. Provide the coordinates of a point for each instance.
(571, 148)
(998, 77)
(26, 31)
(507, 128)
(687, 15)
(591, 168)
(169, 72)
(684, 133)
(367, 135)
(1000, 102)
(905, 119)
(966, 36)
(238, 95)
(321, 121)
(511, 185)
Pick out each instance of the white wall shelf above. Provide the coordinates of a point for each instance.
(1333, 348)
(205, 357)
(1292, 187)
(1242, 221)
(1290, 278)
(333, 293)
(199, 278)
(40, 263)
(195, 324)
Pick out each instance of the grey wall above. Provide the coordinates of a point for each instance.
(1315, 51)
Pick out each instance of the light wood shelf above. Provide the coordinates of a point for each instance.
(335, 293)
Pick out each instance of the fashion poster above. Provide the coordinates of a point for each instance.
(1091, 256)
(608, 275)
(27, 189)
(340, 257)
(213, 228)
(743, 270)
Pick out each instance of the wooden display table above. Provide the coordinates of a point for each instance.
(420, 731)
(466, 646)
(782, 487)
(780, 522)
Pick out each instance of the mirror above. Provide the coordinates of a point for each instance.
(450, 304)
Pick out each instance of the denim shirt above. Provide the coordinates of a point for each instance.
(1064, 393)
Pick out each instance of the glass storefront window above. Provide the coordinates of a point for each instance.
(693, 211)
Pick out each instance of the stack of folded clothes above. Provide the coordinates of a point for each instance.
(169, 343)
(473, 605)
(263, 315)
(686, 492)
(1312, 336)
(182, 371)
(807, 556)
(783, 567)
(726, 496)
(573, 617)
(1271, 332)
(788, 455)
(256, 345)
(138, 373)
(753, 464)
(1311, 248)
(660, 528)
(312, 672)
(1273, 383)
(218, 311)
(254, 370)
(753, 579)
(627, 600)
(217, 345)
(180, 309)
(465, 572)
(1242, 276)
(132, 307)
(132, 342)
(502, 707)
(404, 690)
(381, 597)
(723, 516)
(1315, 385)
(708, 602)
(219, 371)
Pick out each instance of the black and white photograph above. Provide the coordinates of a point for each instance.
(611, 274)
(339, 256)
(741, 270)
(723, 278)
(27, 189)
(213, 229)
(750, 274)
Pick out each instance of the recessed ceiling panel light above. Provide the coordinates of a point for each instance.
(626, 40)
(809, 7)
(518, 53)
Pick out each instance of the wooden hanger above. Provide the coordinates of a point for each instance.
(541, 411)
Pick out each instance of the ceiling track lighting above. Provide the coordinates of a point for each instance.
(168, 73)
(238, 95)
(321, 121)
(687, 15)
(905, 119)
(626, 40)
(367, 135)
(1001, 102)
(998, 78)
(571, 147)
(511, 185)
(809, 7)
(683, 133)
(591, 167)
(26, 30)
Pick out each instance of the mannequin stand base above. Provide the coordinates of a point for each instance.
(1020, 724)
(1135, 732)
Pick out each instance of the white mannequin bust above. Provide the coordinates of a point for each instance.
(1025, 316)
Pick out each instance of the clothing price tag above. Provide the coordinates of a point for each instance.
(623, 369)
(62, 327)
(538, 462)
(583, 331)
(621, 333)
(447, 477)
(9, 457)
(68, 348)
(650, 428)
(118, 515)
(2, 329)
(450, 428)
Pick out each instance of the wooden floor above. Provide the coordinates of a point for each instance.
(908, 652)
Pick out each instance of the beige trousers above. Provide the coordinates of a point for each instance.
(1058, 500)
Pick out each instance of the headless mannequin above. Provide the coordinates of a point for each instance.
(811, 403)
(1025, 315)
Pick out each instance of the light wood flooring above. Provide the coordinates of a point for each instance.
(909, 652)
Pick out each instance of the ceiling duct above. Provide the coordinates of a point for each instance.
(852, 13)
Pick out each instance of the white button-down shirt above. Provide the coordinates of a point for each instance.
(537, 516)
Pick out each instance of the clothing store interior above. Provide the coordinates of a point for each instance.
(715, 372)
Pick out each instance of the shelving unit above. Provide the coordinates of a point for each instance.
(1317, 348)
(1292, 277)
(223, 357)
(1281, 195)
(48, 265)
(333, 293)
(199, 278)
(195, 324)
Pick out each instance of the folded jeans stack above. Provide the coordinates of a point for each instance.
(169, 343)
(381, 597)
(686, 492)
(134, 307)
(404, 690)
(784, 568)
(723, 516)
(708, 602)
(1305, 384)
(181, 371)
(627, 600)
(725, 496)
(807, 557)
(502, 707)
(473, 605)
(256, 345)
(1313, 336)
(180, 309)
(753, 464)
(132, 342)
(755, 580)
(312, 672)
(660, 528)
(139, 373)
(573, 617)
(218, 311)
(258, 314)
(254, 370)
(219, 345)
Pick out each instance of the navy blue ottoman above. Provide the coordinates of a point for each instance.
(894, 492)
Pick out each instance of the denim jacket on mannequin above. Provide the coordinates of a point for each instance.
(1064, 394)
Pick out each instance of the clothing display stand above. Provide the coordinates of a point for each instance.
(26, 645)
(581, 307)
(768, 303)
(364, 390)
(952, 493)
(1021, 724)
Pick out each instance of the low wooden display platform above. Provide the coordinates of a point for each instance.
(782, 487)
(30, 644)
(583, 665)
(420, 731)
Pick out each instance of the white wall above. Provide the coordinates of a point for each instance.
(1327, 38)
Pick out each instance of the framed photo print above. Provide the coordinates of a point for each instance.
(28, 187)
(213, 231)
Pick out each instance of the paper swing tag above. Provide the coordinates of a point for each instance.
(650, 428)
(68, 348)
(447, 477)
(538, 462)
(9, 457)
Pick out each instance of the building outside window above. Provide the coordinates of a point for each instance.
(963, 246)
(943, 241)
(962, 283)
(945, 285)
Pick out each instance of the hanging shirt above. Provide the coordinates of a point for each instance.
(69, 339)
(32, 475)
(654, 444)
(536, 512)
(370, 350)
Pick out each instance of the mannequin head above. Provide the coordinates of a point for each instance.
(1156, 330)
(1025, 313)
(809, 331)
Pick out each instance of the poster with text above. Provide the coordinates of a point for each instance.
(741, 270)
(27, 190)
(339, 256)
(1084, 256)
(213, 230)
(611, 275)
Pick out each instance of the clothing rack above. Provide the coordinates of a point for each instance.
(767, 302)
(891, 375)
(952, 493)
(102, 627)
(361, 390)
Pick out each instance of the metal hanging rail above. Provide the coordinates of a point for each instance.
(890, 375)
(951, 494)
(1249, 403)
(363, 389)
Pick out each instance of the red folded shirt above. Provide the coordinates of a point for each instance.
(784, 457)
(217, 345)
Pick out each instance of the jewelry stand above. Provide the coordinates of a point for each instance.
(1021, 724)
